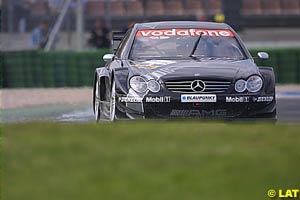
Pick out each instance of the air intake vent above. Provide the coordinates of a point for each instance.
(197, 86)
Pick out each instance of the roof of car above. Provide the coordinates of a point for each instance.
(182, 24)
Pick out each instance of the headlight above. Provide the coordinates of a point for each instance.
(138, 84)
(153, 86)
(240, 85)
(254, 84)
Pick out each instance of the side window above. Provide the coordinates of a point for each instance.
(123, 43)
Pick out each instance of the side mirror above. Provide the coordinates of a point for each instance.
(263, 55)
(108, 57)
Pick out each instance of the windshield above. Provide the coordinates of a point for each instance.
(186, 43)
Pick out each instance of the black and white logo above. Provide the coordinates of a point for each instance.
(130, 99)
(198, 86)
(263, 99)
(237, 99)
(198, 98)
(158, 99)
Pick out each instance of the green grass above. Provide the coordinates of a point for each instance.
(149, 160)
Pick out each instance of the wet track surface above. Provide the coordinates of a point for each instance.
(288, 110)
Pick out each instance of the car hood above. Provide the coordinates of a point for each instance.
(181, 69)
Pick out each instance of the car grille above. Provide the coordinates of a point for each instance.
(184, 86)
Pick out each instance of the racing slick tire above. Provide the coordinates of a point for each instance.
(102, 102)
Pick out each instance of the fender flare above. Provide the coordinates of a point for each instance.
(269, 79)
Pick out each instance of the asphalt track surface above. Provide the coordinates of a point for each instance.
(288, 110)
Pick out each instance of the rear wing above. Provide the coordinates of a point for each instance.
(117, 39)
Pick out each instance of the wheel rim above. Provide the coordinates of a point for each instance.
(96, 106)
(113, 102)
(97, 111)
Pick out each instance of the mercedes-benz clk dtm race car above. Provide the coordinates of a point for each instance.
(182, 70)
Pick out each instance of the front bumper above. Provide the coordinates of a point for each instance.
(170, 105)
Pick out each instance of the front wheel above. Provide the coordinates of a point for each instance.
(97, 103)
(112, 105)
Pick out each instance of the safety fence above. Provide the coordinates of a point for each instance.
(285, 62)
(75, 69)
(50, 69)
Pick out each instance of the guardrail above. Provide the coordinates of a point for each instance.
(75, 69)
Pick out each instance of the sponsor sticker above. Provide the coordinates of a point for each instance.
(237, 99)
(130, 99)
(158, 99)
(184, 32)
(146, 66)
(147, 99)
(245, 99)
(263, 99)
(198, 98)
(198, 113)
(153, 64)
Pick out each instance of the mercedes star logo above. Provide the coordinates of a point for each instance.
(198, 86)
